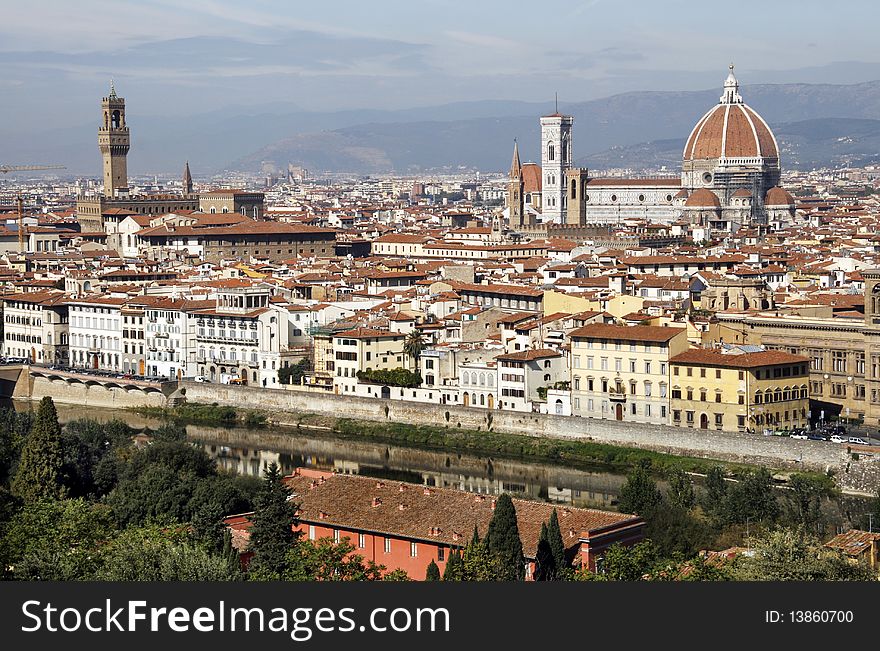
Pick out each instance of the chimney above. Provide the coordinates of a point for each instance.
(570, 533)
(380, 484)
(401, 507)
(493, 504)
(478, 498)
(322, 515)
(377, 501)
(401, 488)
(321, 480)
(427, 491)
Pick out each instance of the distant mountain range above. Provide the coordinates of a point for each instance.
(817, 124)
(806, 144)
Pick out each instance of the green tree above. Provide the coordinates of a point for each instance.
(636, 563)
(503, 541)
(545, 563)
(433, 572)
(792, 555)
(554, 537)
(55, 540)
(162, 553)
(681, 490)
(479, 564)
(751, 500)
(414, 344)
(294, 373)
(454, 570)
(716, 492)
(805, 499)
(639, 494)
(14, 428)
(324, 560)
(40, 471)
(272, 537)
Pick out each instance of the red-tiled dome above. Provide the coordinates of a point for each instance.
(776, 196)
(731, 130)
(702, 198)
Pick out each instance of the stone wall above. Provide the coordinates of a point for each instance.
(730, 446)
(87, 395)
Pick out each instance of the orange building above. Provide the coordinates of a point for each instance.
(406, 526)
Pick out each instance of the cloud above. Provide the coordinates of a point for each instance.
(481, 40)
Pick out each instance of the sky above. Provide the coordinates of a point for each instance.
(182, 59)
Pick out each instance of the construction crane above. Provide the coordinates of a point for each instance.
(27, 168)
(19, 203)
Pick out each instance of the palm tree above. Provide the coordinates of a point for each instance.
(414, 344)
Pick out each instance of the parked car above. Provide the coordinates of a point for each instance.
(798, 435)
(200, 378)
(816, 437)
(857, 440)
(837, 438)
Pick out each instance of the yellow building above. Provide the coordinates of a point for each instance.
(366, 349)
(739, 389)
(622, 372)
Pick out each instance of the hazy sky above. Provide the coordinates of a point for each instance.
(184, 58)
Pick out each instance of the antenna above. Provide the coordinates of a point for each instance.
(556, 95)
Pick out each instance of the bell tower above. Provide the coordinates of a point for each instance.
(114, 142)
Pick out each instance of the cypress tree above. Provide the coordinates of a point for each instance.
(433, 572)
(40, 471)
(554, 537)
(503, 541)
(639, 494)
(271, 534)
(453, 569)
(545, 564)
(478, 563)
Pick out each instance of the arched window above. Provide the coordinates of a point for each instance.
(551, 151)
(474, 378)
(574, 189)
(491, 380)
(465, 377)
(482, 379)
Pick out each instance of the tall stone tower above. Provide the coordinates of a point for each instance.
(187, 180)
(515, 190)
(555, 160)
(114, 142)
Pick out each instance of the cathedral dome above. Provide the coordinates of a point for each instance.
(731, 129)
(702, 198)
(776, 196)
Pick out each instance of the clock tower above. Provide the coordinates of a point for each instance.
(555, 160)
(114, 142)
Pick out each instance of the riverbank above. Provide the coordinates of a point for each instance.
(571, 453)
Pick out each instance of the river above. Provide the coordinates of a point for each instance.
(248, 451)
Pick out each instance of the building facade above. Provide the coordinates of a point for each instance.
(622, 372)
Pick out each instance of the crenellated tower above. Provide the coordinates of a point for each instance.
(114, 142)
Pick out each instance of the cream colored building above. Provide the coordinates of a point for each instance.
(365, 349)
(739, 388)
(622, 372)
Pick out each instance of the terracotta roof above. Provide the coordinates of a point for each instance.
(853, 542)
(776, 196)
(368, 333)
(437, 515)
(714, 357)
(703, 198)
(653, 334)
(731, 131)
(528, 355)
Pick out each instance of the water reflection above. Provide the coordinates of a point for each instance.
(249, 451)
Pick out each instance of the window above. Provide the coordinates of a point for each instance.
(336, 536)
(387, 545)
(718, 374)
(441, 553)
(311, 532)
(413, 549)
(362, 541)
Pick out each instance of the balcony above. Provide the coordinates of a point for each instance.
(617, 393)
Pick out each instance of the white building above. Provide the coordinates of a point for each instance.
(96, 332)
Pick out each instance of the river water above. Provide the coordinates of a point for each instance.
(248, 451)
